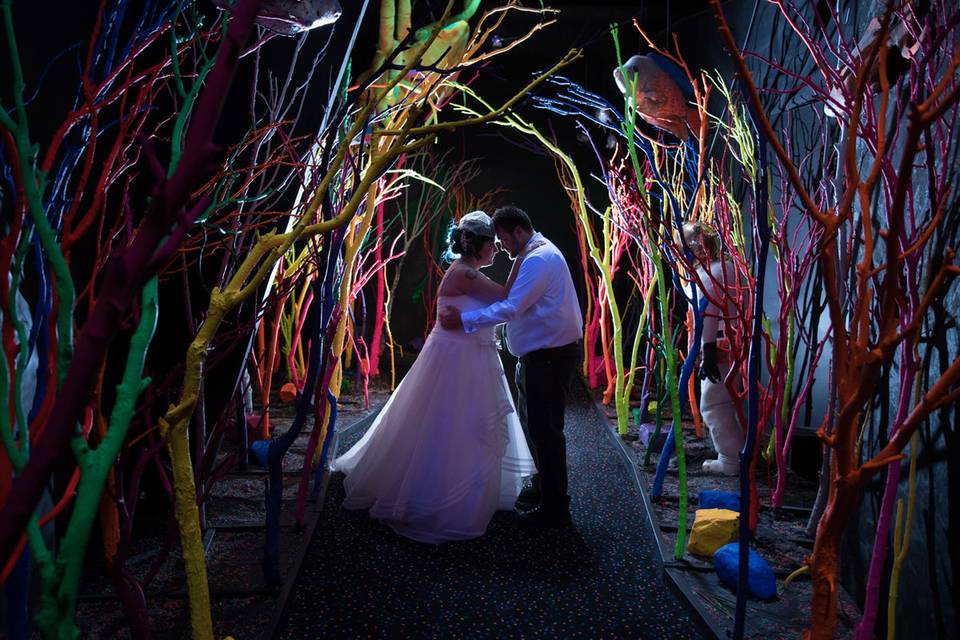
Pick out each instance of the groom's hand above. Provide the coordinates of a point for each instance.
(450, 318)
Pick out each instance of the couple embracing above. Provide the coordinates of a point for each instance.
(449, 448)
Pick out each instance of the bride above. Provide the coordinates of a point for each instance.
(447, 449)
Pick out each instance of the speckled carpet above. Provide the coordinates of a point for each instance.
(599, 580)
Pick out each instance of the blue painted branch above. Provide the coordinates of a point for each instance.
(279, 446)
(685, 372)
(761, 196)
(39, 332)
(331, 426)
(17, 590)
(124, 276)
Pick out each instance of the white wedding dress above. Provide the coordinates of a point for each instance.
(447, 449)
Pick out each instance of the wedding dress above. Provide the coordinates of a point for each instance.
(447, 449)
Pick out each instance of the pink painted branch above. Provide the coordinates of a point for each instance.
(363, 274)
(815, 52)
(784, 448)
(378, 318)
(124, 278)
(864, 630)
(591, 346)
(296, 340)
(789, 292)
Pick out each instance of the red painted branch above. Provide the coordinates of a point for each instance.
(123, 280)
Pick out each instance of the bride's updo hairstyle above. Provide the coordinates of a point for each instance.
(467, 237)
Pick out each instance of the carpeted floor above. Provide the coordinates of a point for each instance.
(600, 580)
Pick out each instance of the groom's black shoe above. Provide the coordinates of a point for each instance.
(542, 517)
(528, 499)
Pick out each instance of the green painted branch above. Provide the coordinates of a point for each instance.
(18, 456)
(124, 279)
(23, 358)
(56, 616)
(41, 555)
(672, 388)
(666, 339)
(189, 98)
(34, 183)
(18, 459)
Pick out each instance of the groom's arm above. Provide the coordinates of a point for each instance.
(530, 285)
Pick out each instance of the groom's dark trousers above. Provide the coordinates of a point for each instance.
(543, 382)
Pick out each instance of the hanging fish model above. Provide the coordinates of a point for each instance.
(663, 93)
(290, 17)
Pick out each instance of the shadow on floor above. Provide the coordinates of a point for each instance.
(600, 579)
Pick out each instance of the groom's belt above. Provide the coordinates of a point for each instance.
(552, 350)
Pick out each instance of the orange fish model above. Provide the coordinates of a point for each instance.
(662, 92)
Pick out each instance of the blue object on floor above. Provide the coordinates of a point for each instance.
(719, 500)
(259, 451)
(760, 578)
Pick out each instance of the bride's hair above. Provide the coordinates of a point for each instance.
(466, 237)
(462, 242)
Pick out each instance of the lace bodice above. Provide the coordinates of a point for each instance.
(464, 303)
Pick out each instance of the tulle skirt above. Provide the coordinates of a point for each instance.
(447, 449)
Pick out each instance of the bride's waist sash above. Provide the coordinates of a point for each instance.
(484, 336)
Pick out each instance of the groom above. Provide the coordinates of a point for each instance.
(544, 328)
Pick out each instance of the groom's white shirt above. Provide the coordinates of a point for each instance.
(541, 311)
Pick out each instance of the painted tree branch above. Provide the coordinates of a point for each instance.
(254, 270)
(124, 278)
(876, 299)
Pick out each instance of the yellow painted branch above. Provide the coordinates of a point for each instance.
(188, 520)
(253, 271)
(352, 243)
(804, 570)
(571, 56)
(175, 424)
(648, 296)
(901, 540)
(387, 305)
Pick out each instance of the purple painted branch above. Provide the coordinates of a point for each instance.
(124, 277)
(909, 368)
(783, 447)
(184, 224)
(823, 490)
(864, 630)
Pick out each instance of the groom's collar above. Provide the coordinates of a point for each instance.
(536, 236)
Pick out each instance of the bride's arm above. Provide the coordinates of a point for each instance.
(476, 285)
(479, 286)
